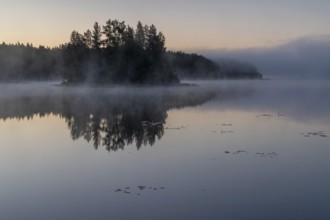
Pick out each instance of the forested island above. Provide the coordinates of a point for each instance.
(113, 53)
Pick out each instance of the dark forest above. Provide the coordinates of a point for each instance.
(113, 53)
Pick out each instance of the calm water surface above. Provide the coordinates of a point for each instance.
(220, 150)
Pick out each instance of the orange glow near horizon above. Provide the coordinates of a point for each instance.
(174, 41)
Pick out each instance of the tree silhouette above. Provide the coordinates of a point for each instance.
(96, 36)
(117, 53)
(88, 39)
(140, 37)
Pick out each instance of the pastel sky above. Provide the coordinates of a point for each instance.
(193, 24)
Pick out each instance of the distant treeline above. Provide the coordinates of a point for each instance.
(113, 53)
(25, 62)
(194, 66)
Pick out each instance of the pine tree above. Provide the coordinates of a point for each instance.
(96, 37)
(76, 39)
(140, 36)
(88, 38)
(108, 32)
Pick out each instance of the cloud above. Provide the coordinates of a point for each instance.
(307, 57)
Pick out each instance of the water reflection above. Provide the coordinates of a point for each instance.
(278, 152)
(109, 118)
(301, 101)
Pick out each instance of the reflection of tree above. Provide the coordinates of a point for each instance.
(110, 120)
(118, 129)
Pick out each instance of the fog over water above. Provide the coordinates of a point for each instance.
(301, 100)
(249, 149)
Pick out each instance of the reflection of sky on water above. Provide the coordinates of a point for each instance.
(214, 161)
(304, 101)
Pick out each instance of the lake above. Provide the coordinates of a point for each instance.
(213, 150)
